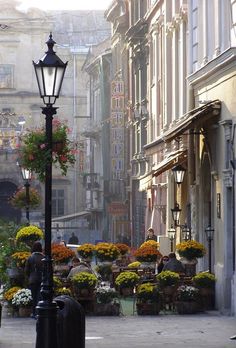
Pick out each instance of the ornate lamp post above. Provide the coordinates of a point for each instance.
(176, 213)
(49, 72)
(26, 175)
(179, 172)
(171, 234)
(209, 234)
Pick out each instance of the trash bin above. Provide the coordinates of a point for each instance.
(70, 323)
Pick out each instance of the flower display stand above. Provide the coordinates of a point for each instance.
(103, 309)
(187, 307)
(25, 312)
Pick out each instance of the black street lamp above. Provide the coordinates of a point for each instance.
(49, 72)
(179, 172)
(171, 234)
(176, 213)
(209, 234)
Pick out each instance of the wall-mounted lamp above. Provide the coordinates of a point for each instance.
(209, 234)
(186, 232)
(176, 213)
(179, 172)
(171, 235)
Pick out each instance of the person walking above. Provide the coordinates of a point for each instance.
(34, 271)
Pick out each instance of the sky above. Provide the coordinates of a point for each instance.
(66, 4)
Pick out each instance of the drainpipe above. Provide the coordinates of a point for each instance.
(191, 161)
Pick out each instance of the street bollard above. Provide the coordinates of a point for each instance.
(70, 323)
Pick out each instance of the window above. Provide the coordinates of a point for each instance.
(194, 34)
(58, 202)
(6, 76)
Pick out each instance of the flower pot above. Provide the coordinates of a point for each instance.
(107, 309)
(144, 308)
(190, 266)
(207, 298)
(25, 312)
(187, 307)
(127, 291)
(15, 273)
(58, 146)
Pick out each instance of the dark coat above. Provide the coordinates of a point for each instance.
(34, 267)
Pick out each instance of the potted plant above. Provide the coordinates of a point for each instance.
(187, 299)
(148, 299)
(18, 200)
(150, 243)
(61, 255)
(23, 300)
(205, 282)
(86, 251)
(135, 264)
(106, 252)
(29, 234)
(147, 254)
(126, 281)
(19, 258)
(167, 278)
(189, 251)
(107, 301)
(8, 295)
(34, 154)
(123, 248)
(84, 284)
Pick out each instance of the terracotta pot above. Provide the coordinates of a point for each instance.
(25, 312)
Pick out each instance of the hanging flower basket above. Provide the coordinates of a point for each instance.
(18, 200)
(34, 154)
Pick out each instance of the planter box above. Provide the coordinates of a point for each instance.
(107, 309)
(187, 307)
(148, 308)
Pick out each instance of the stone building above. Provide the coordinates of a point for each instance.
(23, 36)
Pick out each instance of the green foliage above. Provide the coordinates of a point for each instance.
(29, 233)
(204, 280)
(148, 292)
(167, 278)
(127, 279)
(84, 280)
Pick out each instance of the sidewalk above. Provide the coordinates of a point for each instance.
(208, 330)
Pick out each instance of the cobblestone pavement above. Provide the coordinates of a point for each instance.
(169, 330)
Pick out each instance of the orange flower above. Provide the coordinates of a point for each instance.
(61, 253)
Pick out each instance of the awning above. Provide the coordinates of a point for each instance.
(174, 158)
(145, 181)
(71, 216)
(195, 118)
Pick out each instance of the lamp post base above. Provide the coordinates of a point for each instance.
(46, 325)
